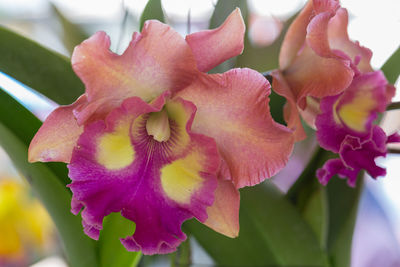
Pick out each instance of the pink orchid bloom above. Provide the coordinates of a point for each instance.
(317, 59)
(345, 126)
(156, 138)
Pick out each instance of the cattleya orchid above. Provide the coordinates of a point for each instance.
(160, 141)
(329, 80)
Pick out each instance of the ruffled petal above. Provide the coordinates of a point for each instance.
(118, 167)
(353, 112)
(233, 108)
(223, 215)
(312, 75)
(336, 167)
(362, 155)
(212, 47)
(339, 40)
(290, 111)
(295, 36)
(145, 69)
(57, 136)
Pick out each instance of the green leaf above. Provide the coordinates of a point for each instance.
(15, 134)
(72, 34)
(315, 213)
(343, 206)
(272, 232)
(153, 10)
(41, 69)
(392, 67)
(183, 255)
(111, 251)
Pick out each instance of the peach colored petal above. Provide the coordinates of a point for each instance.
(291, 113)
(317, 34)
(339, 40)
(233, 108)
(223, 215)
(212, 47)
(57, 136)
(312, 75)
(295, 36)
(156, 60)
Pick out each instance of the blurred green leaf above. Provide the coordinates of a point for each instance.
(391, 68)
(41, 69)
(183, 255)
(272, 232)
(15, 134)
(315, 213)
(111, 251)
(343, 206)
(153, 10)
(72, 34)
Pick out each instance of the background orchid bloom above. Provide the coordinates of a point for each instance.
(317, 59)
(345, 126)
(159, 140)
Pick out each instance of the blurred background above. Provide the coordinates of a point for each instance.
(27, 236)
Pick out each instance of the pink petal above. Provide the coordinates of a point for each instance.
(312, 75)
(339, 40)
(295, 36)
(156, 60)
(57, 136)
(212, 47)
(233, 109)
(119, 167)
(223, 215)
(291, 113)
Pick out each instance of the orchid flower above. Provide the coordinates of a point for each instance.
(316, 60)
(345, 126)
(328, 79)
(160, 141)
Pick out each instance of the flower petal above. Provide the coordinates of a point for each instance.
(353, 112)
(295, 36)
(291, 113)
(223, 215)
(339, 40)
(312, 75)
(144, 69)
(212, 47)
(57, 136)
(233, 109)
(118, 167)
(336, 167)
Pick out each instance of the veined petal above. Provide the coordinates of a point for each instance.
(118, 167)
(312, 75)
(339, 40)
(358, 155)
(336, 167)
(212, 47)
(233, 109)
(145, 69)
(290, 111)
(223, 215)
(57, 136)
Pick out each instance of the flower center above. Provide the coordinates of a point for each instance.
(157, 125)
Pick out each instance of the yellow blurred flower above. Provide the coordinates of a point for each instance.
(25, 226)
